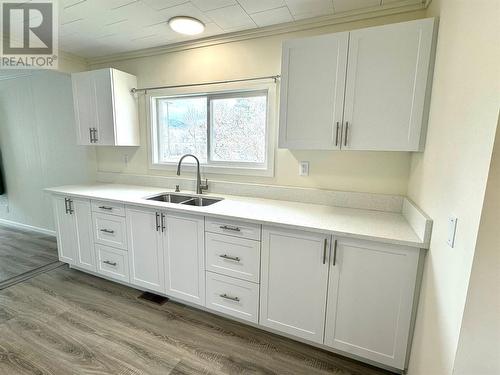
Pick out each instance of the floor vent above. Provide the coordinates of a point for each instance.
(155, 298)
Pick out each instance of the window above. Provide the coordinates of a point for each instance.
(227, 131)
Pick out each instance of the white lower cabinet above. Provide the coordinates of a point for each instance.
(144, 239)
(73, 221)
(112, 262)
(353, 296)
(184, 249)
(233, 296)
(110, 230)
(294, 279)
(370, 299)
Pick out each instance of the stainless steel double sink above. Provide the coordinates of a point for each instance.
(187, 200)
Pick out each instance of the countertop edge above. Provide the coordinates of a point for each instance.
(411, 214)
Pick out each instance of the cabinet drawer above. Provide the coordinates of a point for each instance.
(231, 256)
(117, 209)
(233, 228)
(110, 230)
(112, 262)
(233, 297)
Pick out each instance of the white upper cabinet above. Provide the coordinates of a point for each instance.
(387, 89)
(370, 298)
(294, 279)
(106, 111)
(312, 92)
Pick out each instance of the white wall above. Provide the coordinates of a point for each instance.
(376, 172)
(479, 345)
(449, 178)
(38, 145)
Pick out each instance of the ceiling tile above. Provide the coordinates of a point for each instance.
(205, 5)
(316, 7)
(254, 6)
(140, 13)
(162, 4)
(186, 9)
(403, 2)
(231, 17)
(96, 28)
(272, 17)
(113, 4)
(347, 5)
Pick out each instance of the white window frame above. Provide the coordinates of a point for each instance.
(224, 90)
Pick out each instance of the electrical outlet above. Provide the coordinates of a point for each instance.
(452, 231)
(304, 168)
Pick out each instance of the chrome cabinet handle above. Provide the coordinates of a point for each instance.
(346, 132)
(337, 134)
(108, 231)
(91, 135)
(157, 221)
(110, 263)
(229, 227)
(324, 251)
(70, 206)
(236, 259)
(106, 208)
(335, 252)
(229, 297)
(162, 222)
(95, 135)
(66, 205)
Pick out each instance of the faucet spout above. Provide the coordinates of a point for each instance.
(199, 186)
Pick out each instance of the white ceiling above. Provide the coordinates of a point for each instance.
(92, 28)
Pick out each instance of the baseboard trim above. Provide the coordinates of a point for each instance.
(15, 224)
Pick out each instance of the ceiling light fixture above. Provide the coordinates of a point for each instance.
(186, 25)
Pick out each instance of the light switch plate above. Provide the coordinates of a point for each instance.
(452, 230)
(304, 168)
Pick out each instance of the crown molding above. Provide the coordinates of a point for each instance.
(68, 56)
(307, 24)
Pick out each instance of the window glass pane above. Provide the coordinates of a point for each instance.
(182, 128)
(238, 129)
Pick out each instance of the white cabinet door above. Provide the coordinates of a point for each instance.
(294, 279)
(185, 257)
(387, 86)
(145, 250)
(74, 232)
(106, 111)
(66, 232)
(105, 134)
(370, 298)
(85, 107)
(312, 92)
(85, 253)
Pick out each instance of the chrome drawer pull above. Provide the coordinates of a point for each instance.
(229, 227)
(108, 231)
(229, 297)
(236, 259)
(110, 263)
(105, 208)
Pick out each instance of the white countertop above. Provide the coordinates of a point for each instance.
(379, 226)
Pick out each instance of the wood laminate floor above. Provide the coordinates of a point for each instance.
(23, 251)
(68, 322)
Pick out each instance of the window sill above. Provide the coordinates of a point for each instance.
(215, 169)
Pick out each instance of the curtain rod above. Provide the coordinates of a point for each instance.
(135, 90)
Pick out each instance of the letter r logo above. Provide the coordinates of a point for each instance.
(27, 28)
